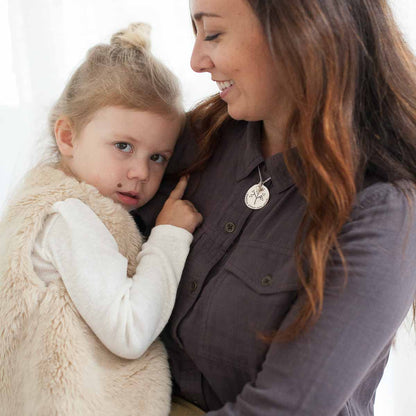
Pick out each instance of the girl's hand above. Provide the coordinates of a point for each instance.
(179, 212)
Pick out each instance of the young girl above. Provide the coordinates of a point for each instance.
(81, 300)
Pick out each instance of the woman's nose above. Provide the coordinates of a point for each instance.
(200, 59)
(140, 171)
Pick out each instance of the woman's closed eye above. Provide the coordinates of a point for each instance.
(124, 147)
(209, 38)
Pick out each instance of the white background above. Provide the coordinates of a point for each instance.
(42, 41)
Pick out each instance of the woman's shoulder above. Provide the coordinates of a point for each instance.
(378, 192)
(186, 150)
(188, 145)
(387, 205)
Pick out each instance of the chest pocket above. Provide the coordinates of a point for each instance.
(264, 269)
(249, 297)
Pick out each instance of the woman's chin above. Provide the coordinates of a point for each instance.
(239, 112)
(235, 113)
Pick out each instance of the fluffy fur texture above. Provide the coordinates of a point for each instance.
(51, 363)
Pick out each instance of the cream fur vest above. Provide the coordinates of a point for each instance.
(51, 363)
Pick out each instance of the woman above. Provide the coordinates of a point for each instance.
(304, 266)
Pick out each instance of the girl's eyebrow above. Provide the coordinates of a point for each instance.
(199, 16)
(125, 137)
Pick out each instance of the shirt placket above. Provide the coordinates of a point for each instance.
(215, 241)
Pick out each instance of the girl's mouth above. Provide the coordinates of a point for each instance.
(128, 198)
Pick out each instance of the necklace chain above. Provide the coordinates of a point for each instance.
(261, 183)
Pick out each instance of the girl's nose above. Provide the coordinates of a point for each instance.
(200, 59)
(140, 171)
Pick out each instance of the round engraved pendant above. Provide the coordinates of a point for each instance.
(257, 196)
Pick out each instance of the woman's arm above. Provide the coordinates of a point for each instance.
(126, 314)
(318, 372)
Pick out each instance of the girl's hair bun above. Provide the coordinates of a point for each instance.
(137, 35)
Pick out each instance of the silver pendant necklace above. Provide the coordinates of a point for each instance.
(258, 195)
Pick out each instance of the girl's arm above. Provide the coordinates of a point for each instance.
(126, 314)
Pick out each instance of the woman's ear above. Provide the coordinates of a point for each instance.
(64, 136)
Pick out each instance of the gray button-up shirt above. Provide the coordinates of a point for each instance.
(240, 283)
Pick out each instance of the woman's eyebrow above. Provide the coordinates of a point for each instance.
(199, 16)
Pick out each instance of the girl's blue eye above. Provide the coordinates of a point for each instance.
(124, 147)
(211, 37)
(158, 158)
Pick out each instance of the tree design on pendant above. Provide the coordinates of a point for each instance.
(257, 196)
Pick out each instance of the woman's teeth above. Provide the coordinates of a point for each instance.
(222, 85)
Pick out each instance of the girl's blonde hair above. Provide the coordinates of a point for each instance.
(122, 73)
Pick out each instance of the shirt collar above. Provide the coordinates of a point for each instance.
(250, 157)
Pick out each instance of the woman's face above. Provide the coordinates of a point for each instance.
(231, 46)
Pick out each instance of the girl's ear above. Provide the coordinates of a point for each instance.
(64, 136)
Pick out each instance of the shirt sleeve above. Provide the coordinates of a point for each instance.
(126, 314)
(318, 372)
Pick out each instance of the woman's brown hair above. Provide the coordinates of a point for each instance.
(352, 80)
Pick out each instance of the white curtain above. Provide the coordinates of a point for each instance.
(42, 41)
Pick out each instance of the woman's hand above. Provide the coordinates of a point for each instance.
(179, 212)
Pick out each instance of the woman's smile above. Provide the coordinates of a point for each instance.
(230, 45)
(224, 87)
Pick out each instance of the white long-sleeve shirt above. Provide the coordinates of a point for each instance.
(126, 314)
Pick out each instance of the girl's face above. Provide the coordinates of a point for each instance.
(122, 152)
(230, 44)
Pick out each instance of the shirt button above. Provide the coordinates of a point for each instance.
(194, 286)
(267, 280)
(229, 227)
